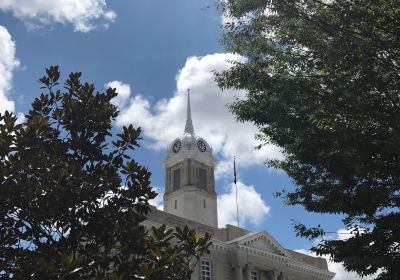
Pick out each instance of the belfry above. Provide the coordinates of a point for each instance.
(189, 183)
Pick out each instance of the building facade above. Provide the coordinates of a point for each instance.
(236, 253)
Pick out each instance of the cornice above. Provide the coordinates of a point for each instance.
(190, 154)
(187, 189)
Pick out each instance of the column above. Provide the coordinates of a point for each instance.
(283, 276)
(274, 275)
(265, 275)
(238, 272)
(247, 270)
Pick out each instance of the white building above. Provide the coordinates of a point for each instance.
(236, 253)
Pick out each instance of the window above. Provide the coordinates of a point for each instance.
(254, 275)
(204, 203)
(176, 204)
(206, 271)
(202, 178)
(177, 179)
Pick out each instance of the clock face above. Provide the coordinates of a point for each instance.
(176, 147)
(201, 145)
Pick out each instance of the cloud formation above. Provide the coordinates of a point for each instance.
(163, 121)
(84, 15)
(8, 62)
(124, 91)
(158, 202)
(252, 208)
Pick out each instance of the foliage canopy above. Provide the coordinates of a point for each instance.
(72, 199)
(322, 81)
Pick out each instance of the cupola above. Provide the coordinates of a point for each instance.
(189, 182)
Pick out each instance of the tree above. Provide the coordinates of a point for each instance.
(72, 199)
(322, 81)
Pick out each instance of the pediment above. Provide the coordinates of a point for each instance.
(264, 245)
(261, 241)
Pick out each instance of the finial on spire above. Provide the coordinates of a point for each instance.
(189, 124)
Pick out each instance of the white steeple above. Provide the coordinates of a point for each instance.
(189, 124)
(189, 181)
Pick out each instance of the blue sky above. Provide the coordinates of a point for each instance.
(152, 51)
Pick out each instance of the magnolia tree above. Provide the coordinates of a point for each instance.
(72, 199)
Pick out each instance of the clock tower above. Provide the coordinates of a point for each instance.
(189, 177)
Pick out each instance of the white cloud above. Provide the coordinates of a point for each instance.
(344, 234)
(252, 208)
(8, 62)
(164, 121)
(124, 91)
(158, 202)
(20, 118)
(84, 15)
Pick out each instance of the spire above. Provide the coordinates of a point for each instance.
(189, 124)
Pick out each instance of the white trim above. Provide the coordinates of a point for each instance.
(206, 269)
